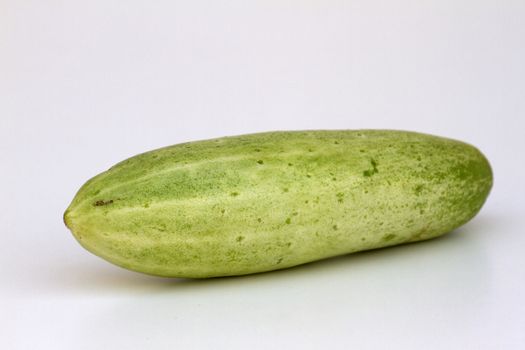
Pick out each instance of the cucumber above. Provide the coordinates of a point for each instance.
(259, 202)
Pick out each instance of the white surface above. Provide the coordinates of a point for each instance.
(84, 84)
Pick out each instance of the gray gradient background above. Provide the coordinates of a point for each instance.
(84, 84)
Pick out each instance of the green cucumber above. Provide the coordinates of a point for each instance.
(266, 201)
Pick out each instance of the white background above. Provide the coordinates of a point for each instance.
(85, 84)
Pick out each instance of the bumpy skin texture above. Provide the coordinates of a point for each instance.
(267, 201)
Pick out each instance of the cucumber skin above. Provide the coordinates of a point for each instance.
(260, 202)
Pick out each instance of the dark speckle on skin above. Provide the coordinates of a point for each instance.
(389, 237)
(239, 238)
(260, 162)
(418, 189)
(288, 221)
(370, 172)
(335, 227)
(234, 194)
(161, 227)
(101, 202)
